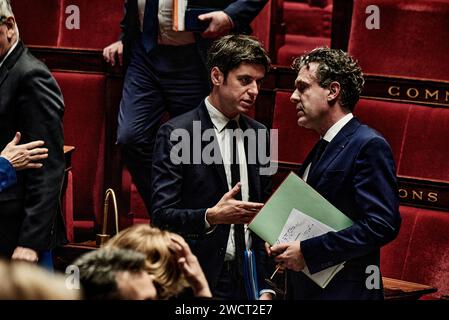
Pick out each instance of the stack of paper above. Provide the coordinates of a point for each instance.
(300, 227)
(298, 212)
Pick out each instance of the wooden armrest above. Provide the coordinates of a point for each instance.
(396, 289)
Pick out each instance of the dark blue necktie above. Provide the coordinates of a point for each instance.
(319, 149)
(150, 25)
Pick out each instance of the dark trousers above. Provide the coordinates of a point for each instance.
(230, 285)
(11, 217)
(169, 79)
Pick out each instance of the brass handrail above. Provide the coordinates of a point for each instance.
(102, 238)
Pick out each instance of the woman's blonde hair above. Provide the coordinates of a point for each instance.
(161, 259)
(25, 281)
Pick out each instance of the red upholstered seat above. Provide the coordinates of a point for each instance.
(308, 26)
(43, 22)
(296, 45)
(261, 26)
(421, 251)
(427, 258)
(394, 254)
(294, 142)
(99, 24)
(38, 21)
(412, 40)
(389, 118)
(425, 152)
(84, 128)
(304, 19)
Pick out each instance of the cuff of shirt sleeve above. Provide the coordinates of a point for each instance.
(273, 293)
(207, 225)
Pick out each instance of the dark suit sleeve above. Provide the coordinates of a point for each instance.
(40, 109)
(242, 12)
(124, 21)
(7, 174)
(375, 192)
(167, 184)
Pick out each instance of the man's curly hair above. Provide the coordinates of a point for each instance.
(335, 65)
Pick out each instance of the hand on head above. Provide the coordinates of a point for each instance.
(190, 266)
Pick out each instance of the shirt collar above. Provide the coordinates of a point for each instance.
(219, 120)
(335, 129)
(9, 52)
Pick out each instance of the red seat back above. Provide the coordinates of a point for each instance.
(294, 142)
(38, 21)
(84, 128)
(389, 118)
(426, 145)
(412, 40)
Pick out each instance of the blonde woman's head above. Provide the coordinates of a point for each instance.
(161, 258)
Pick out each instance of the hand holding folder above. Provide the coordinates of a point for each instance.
(186, 19)
(297, 212)
(213, 23)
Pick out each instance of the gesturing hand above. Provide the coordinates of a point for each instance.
(231, 211)
(22, 156)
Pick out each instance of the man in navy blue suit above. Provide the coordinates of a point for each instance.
(200, 189)
(165, 71)
(352, 167)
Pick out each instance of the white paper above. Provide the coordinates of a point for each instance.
(300, 227)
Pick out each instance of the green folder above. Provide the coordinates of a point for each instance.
(295, 193)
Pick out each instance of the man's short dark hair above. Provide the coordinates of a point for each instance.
(228, 52)
(98, 270)
(335, 65)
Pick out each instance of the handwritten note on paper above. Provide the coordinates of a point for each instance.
(300, 227)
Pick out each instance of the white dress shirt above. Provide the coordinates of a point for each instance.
(9, 52)
(219, 120)
(329, 135)
(166, 34)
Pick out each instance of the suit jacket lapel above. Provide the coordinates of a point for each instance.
(11, 61)
(206, 123)
(332, 150)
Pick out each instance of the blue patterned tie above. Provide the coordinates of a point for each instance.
(150, 25)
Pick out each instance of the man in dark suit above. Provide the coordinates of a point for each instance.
(200, 190)
(31, 103)
(352, 167)
(165, 71)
